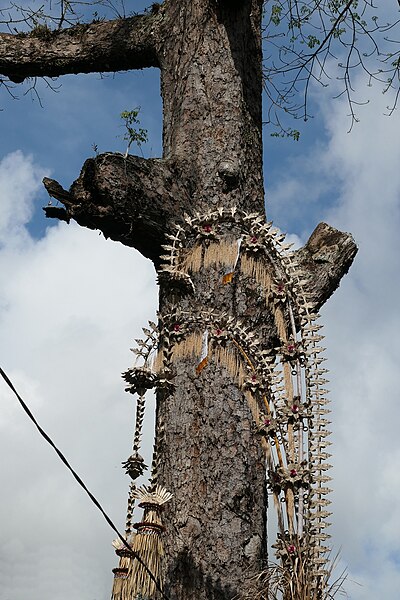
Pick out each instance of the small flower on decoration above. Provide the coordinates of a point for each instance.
(134, 466)
(253, 383)
(294, 477)
(206, 230)
(287, 547)
(253, 243)
(292, 351)
(140, 379)
(177, 331)
(294, 412)
(268, 426)
(219, 334)
(297, 475)
(278, 289)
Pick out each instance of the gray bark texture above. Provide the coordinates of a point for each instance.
(209, 55)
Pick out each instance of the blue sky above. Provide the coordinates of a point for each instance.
(71, 304)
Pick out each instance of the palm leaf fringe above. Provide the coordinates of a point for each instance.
(292, 582)
(257, 269)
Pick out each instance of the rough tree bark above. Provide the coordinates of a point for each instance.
(209, 55)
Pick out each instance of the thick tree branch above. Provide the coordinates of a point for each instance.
(129, 199)
(325, 259)
(84, 48)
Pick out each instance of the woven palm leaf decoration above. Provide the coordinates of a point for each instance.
(284, 384)
(131, 577)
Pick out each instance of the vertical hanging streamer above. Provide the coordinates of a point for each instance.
(130, 509)
(134, 467)
(299, 395)
(147, 542)
(204, 353)
(281, 327)
(156, 460)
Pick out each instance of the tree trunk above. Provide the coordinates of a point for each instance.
(212, 462)
(209, 53)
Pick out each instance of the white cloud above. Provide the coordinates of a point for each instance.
(70, 306)
(20, 178)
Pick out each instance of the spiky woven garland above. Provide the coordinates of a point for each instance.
(285, 385)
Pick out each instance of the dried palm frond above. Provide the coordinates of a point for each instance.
(293, 581)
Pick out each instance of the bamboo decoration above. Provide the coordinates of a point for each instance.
(285, 387)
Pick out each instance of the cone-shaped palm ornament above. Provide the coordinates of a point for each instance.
(147, 543)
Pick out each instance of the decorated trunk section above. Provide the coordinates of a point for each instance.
(282, 379)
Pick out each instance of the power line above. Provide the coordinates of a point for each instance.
(82, 484)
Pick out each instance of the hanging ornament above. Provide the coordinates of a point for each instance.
(148, 543)
(134, 466)
(125, 554)
(121, 572)
(140, 379)
(282, 380)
